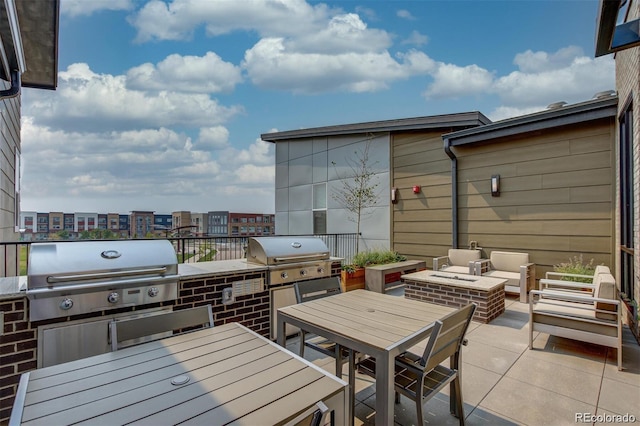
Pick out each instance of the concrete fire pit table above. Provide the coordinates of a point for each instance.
(457, 290)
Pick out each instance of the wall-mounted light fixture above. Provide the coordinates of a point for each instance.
(495, 185)
(394, 195)
(416, 189)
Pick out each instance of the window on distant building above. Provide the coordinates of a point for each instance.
(243, 229)
(243, 220)
(320, 208)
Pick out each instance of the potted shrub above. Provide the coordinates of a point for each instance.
(353, 273)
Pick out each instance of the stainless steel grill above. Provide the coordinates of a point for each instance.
(290, 259)
(72, 278)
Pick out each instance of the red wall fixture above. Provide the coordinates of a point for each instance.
(416, 189)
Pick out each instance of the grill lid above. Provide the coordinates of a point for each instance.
(284, 250)
(67, 264)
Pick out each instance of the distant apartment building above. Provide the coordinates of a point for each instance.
(56, 221)
(113, 222)
(162, 223)
(141, 224)
(181, 221)
(38, 226)
(199, 223)
(251, 224)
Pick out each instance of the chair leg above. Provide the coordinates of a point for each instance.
(338, 354)
(397, 400)
(419, 420)
(459, 401)
(302, 333)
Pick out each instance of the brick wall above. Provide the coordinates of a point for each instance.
(17, 351)
(490, 304)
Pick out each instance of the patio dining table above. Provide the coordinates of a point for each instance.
(221, 375)
(379, 325)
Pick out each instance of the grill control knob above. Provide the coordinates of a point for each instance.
(303, 273)
(113, 297)
(153, 291)
(66, 304)
(321, 270)
(284, 275)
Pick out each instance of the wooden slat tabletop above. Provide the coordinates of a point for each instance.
(235, 376)
(363, 316)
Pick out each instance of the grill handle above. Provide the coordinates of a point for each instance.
(103, 285)
(318, 256)
(105, 275)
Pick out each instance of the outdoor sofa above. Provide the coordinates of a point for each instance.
(458, 261)
(511, 266)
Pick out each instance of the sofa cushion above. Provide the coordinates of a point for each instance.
(605, 289)
(572, 315)
(462, 257)
(513, 279)
(508, 261)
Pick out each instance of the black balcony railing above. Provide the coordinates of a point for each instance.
(15, 255)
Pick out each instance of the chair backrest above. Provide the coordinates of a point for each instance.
(508, 261)
(462, 257)
(316, 289)
(601, 269)
(447, 336)
(136, 328)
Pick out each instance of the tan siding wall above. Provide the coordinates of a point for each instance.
(421, 226)
(9, 144)
(628, 86)
(556, 195)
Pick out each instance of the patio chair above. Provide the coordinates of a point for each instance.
(458, 261)
(154, 327)
(560, 281)
(422, 377)
(313, 290)
(511, 266)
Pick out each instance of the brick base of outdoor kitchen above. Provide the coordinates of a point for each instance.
(490, 300)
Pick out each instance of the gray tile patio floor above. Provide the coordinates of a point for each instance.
(505, 383)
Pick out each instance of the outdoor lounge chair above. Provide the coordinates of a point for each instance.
(574, 283)
(317, 289)
(458, 261)
(155, 327)
(422, 377)
(594, 319)
(511, 266)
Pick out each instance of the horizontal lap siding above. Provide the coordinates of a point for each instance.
(421, 222)
(557, 195)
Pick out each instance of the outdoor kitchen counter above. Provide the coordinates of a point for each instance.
(216, 267)
(12, 287)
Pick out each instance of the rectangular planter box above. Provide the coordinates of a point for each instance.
(352, 280)
(378, 276)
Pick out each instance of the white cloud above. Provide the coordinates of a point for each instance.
(542, 78)
(416, 39)
(452, 81)
(88, 7)
(89, 101)
(177, 19)
(405, 14)
(195, 74)
(213, 138)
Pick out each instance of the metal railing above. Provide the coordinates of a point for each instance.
(15, 255)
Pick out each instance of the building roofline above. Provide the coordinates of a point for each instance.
(571, 114)
(464, 119)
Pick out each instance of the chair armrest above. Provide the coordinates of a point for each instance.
(440, 262)
(559, 275)
(560, 285)
(527, 280)
(542, 294)
(481, 266)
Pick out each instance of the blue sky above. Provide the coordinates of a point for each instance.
(160, 104)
